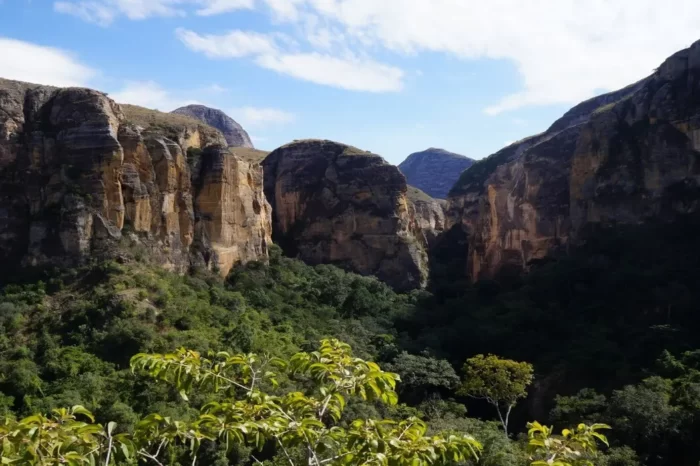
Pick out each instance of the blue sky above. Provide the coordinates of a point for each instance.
(390, 76)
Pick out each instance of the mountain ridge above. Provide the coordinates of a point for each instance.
(434, 170)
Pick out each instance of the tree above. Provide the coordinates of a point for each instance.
(585, 406)
(241, 409)
(62, 438)
(501, 382)
(574, 447)
(304, 426)
(421, 375)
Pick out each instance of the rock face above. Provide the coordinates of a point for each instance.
(82, 176)
(622, 158)
(234, 133)
(234, 218)
(333, 203)
(434, 171)
(428, 215)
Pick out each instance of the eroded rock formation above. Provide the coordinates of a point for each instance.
(80, 175)
(234, 218)
(621, 158)
(333, 203)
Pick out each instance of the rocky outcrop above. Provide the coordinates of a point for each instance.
(434, 171)
(622, 158)
(81, 176)
(333, 203)
(234, 133)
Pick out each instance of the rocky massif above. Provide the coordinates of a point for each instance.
(622, 158)
(434, 171)
(234, 133)
(81, 175)
(333, 203)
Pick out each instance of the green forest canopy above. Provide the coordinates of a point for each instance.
(610, 331)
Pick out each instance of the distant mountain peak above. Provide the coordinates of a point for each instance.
(234, 133)
(434, 170)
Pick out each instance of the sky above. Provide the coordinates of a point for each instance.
(389, 76)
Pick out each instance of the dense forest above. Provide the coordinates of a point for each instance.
(609, 329)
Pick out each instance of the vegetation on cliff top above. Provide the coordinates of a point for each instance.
(249, 155)
(416, 195)
(169, 123)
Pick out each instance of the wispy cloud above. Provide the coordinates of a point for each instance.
(91, 12)
(235, 44)
(592, 38)
(215, 7)
(347, 72)
(105, 12)
(340, 36)
(350, 73)
(151, 95)
(256, 117)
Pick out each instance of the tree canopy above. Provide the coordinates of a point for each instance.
(501, 382)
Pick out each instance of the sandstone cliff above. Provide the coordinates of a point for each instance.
(234, 133)
(434, 171)
(233, 216)
(82, 176)
(333, 203)
(621, 158)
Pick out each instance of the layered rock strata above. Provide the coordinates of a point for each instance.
(81, 175)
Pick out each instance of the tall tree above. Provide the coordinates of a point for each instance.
(500, 382)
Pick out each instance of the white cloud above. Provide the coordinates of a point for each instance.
(33, 63)
(235, 44)
(104, 12)
(350, 72)
(150, 94)
(215, 7)
(91, 12)
(257, 116)
(564, 50)
(285, 10)
(346, 73)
